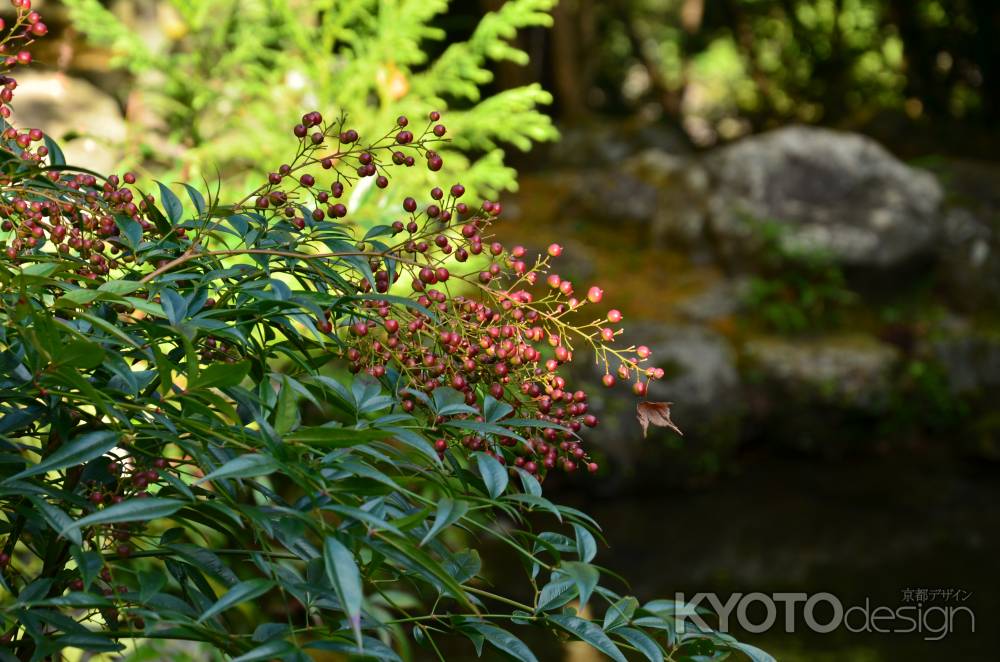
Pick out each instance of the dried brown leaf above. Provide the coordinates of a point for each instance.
(657, 413)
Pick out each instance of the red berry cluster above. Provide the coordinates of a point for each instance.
(109, 588)
(490, 323)
(128, 479)
(351, 161)
(27, 27)
(508, 343)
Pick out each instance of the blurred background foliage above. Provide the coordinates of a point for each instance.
(724, 68)
(217, 85)
(796, 202)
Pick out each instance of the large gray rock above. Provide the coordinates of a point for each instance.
(970, 356)
(970, 261)
(63, 106)
(838, 193)
(845, 370)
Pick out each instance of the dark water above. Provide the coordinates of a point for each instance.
(862, 529)
(858, 530)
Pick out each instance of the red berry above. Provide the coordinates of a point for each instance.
(614, 316)
(555, 250)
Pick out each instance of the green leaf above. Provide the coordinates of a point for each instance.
(269, 651)
(530, 484)
(56, 156)
(342, 571)
(493, 473)
(56, 518)
(130, 230)
(484, 428)
(584, 575)
(448, 402)
(221, 375)
(120, 287)
(171, 204)
(494, 410)
(620, 613)
(448, 512)
(81, 449)
(330, 437)
(133, 510)
(418, 557)
(286, 411)
(88, 564)
(536, 502)
(75, 600)
(150, 583)
(590, 633)
(244, 466)
(174, 306)
(555, 594)
(586, 546)
(242, 592)
(196, 198)
(41, 269)
(642, 642)
(504, 641)
(78, 353)
(76, 298)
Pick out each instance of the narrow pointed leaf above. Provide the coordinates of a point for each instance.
(242, 592)
(244, 466)
(133, 510)
(448, 513)
(504, 641)
(81, 449)
(342, 571)
(589, 633)
(494, 474)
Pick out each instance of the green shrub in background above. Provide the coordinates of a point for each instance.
(229, 77)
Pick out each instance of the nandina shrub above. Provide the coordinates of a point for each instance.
(245, 426)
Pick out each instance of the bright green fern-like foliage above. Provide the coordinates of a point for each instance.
(223, 65)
